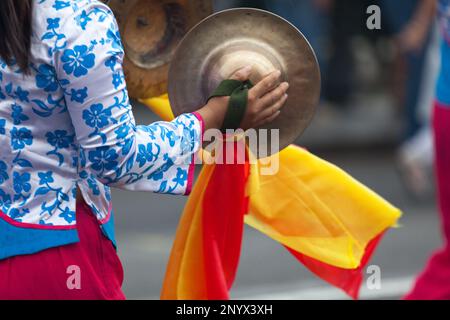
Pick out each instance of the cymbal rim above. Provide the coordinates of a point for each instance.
(311, 80)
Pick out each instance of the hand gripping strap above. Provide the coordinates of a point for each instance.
(238, 93)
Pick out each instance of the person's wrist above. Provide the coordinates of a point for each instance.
(214, 111)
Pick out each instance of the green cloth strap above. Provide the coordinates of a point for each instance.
(238, 93)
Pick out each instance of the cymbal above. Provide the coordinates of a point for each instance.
(150, 31)
(228, 40)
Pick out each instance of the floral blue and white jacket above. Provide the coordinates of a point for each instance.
(69, 123)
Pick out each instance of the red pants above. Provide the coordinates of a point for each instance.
(89, 269)
(434, 282)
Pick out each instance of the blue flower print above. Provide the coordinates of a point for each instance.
(172, 138)
(187, 141)
(22, 95)
(151, 130)
(78, 60)
(3, 174)
(53, 23)
(68, 215)
(58, 39)
(113, 35)
(3, 65)
(59, 5)
(93, 186)
(42, 222)
(45, 108)
(14, 213)
(83, 174)
(111, 62)
(117, 80)
(181, 177)
(21, 182)
(127, 145)
(5, 199)
(79, 95)
(159, 174)
(59, 139)
(107, 193)
(45, 180)
(83, 19)
(2, 126)
(103, 158)
(74, 192)
(17, 214)
(122, 131)
(17, 114)
(146, 154)
(96, 116)
(20, 138)
(45, 177)
(46, 78)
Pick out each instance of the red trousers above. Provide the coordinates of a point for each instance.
(87, 270)
(434, 282)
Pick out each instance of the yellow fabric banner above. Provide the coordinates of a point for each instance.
(308, 205)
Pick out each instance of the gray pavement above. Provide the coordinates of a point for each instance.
(146, 224)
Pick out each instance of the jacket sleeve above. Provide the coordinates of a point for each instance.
(157, 157)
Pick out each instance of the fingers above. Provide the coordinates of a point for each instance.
(269, 119)
(267, 84)
(273, 109)
(242, 74)
(275, 95)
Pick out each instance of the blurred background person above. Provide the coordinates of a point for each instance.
(415, 155)
(336, 29)
(311, 17)
(410, 23)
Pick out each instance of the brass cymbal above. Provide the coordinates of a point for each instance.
(228, 40)
(150, 31)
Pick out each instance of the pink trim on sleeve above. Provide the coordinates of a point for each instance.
(191, 169)
(202, 125)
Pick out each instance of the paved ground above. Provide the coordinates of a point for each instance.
(146, 224)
